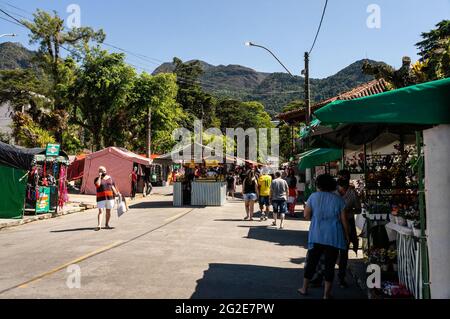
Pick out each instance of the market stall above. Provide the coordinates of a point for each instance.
(119, 164)
(198, 175)
(399, 231)
(34, 180)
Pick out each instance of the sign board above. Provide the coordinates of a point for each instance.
(43, 202)
(52, 150)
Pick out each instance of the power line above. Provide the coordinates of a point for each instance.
(320, 25)
(13, 6)
(12, 17)
(20, 25)
(150, 60)
(17, 14)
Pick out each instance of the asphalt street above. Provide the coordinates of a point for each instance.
(158, 251)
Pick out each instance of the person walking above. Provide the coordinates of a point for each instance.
(264, 183)
(250, 190)
(231, 184)
(133, 179)
(106, 192)
(352, 207)
(328, 232)
(279, 190)
(292, 198)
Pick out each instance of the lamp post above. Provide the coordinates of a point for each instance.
(8, 35)
(305, 72)
(251, 44)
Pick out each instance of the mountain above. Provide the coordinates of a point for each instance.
(274, 90)
(15, 56)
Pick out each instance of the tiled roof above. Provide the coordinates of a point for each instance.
(366, 89)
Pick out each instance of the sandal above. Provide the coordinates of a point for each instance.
(97, 228)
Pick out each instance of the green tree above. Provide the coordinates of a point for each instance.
(157, 94)
(48, 31)
(434, 51)
(288, 131)
(101, 93)
(233, 114)
(197, 103)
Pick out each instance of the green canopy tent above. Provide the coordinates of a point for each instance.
(426, 103)
(12, 191)
(410, 108)
(318, 156)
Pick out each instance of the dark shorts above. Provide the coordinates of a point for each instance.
(279, 206)
(264, 200)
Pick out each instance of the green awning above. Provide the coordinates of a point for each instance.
(318, 156)
(305, 131)
(427, 103)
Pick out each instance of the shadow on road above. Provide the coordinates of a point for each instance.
(298, 261)
(283, 237)
(234, 281)
(73, 230)
(150, 204)
(231, 281)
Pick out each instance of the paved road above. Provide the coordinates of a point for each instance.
(157, 251)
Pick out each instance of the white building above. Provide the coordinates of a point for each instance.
(5, 119)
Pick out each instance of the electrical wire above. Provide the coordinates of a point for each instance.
(149, 59)
(320, 25)
(20, 25)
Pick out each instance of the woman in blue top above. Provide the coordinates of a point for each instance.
(328, 231)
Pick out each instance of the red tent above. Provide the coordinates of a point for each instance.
(118, 162)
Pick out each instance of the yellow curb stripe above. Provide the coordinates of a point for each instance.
(96, 252)
(170, 219)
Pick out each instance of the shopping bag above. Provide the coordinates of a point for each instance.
(121, 207)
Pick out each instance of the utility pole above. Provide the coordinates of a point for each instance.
(149, 133)
(307, 94)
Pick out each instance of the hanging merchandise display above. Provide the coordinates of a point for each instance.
(43, 180)
(389, 189)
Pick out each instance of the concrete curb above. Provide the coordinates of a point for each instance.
(30, 219)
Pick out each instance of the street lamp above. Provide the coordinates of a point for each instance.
(251, 44)
(305, 72)
(8, 35)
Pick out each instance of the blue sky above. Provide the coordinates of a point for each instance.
(215, 31)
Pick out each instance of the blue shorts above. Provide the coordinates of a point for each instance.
(279, 206)
(250, 196)
(264, 200)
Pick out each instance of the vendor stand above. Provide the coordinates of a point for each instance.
(36, 180)
(410, 110)
(201, 185)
